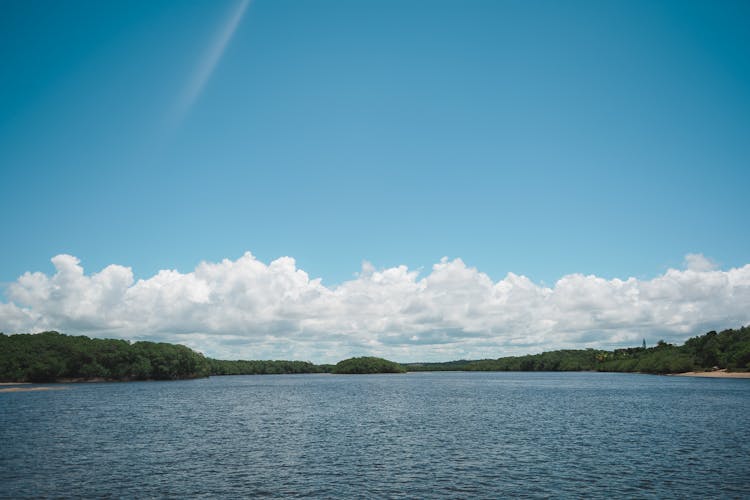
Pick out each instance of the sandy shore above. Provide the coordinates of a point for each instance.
(14, 383)
(715, 374)
(30, 389)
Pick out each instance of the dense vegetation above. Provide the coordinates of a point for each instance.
(239, 367)
(729, 349)
(367, 365)
(51, 356)
(565, 360)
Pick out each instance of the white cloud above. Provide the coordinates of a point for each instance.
(248, 309)
(699, 262)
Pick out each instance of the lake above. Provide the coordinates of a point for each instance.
(451, 434)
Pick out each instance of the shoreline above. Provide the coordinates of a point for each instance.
(714, 374)
(33, 389)
(14, 386)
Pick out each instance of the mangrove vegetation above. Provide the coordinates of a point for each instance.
(52, 356)
(367, 364)
(729, 349)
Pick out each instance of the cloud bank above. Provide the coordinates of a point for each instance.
(247, 309)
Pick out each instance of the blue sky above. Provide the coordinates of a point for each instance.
(540, 138)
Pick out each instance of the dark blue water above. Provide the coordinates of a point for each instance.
(416, 435)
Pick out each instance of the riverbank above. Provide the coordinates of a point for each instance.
(714, 374)
(32, 389)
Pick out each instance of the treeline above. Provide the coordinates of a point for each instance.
(240, 367)
(729, 350)
(350, 366)
(52, 356)
(367, 364)
(553, 361)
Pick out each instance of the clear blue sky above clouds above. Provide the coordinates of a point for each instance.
(543, 138)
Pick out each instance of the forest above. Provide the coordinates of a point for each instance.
(367, 364)
(53, 356)
(728, 349)
(241, 367)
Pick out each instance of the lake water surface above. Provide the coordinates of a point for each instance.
(416, 435)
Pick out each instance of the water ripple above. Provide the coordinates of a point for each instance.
(436, 435)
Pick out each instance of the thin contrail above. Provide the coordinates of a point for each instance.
(210, 60)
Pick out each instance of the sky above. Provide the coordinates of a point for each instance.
(423, 180)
